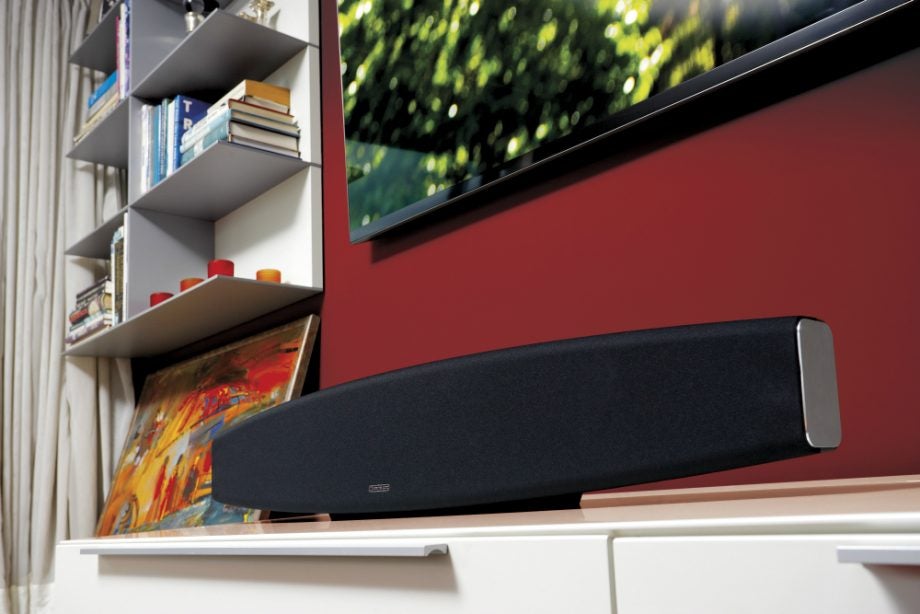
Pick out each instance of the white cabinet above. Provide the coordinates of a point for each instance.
(259, 209)
(716, 551)
(477, 575)
(792, 574)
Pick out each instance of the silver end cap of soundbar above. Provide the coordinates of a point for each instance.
(818, 375)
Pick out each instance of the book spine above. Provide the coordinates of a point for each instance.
(121, 43)
(170, 136)
(265, 124)
(188, 112)
(119, 65)
(155, 147)
(161, 141)
(145, 148)
(118, 274)
(219, 133)
(124, 48)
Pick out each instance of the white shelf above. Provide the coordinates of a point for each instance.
(219, 180)
(97, 243)
(254, 207)
(97, 51)
(213, 59)
(107, 143)
(213, 306)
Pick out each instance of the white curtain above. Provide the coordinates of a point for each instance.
(62, 419)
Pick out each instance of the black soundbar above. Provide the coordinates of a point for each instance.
(542, 421)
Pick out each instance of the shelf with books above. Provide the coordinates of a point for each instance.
(97, 51)
(250, 205)
(211, 60)
(210, 307)
(96, 243)
(219, 180)
(107, 142)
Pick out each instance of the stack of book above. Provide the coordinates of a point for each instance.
(163, 127)
(253, 114)
(92, 313)
(115, 87)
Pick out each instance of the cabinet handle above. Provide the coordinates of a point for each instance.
(879, 555)
(421, 550)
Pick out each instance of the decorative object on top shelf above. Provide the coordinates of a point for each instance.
(220, 267)
(104, 7)
(189, 282)
(273, 275)
(158, 297)
(195, 15)
(262, 12)
(163, 479)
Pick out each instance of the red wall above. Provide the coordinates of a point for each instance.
(809, 206)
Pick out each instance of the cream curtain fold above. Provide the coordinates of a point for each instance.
(63, 420)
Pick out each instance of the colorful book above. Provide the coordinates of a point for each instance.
(103, 88)
(265, 94)
(188, 111)
(230, 114)
(88, 327)
(99, 303)
(90, 291)
(245, 135)
(96, 119)
(254, 109)
(102, 102)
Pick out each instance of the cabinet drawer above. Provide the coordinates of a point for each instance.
(481, 575)
(769, 574)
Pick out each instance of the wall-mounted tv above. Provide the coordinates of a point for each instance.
(443, 98)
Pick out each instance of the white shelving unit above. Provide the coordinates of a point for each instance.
(259, 209)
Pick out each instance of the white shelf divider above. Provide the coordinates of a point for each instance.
(221, 179)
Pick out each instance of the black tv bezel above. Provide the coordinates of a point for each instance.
(772, 53)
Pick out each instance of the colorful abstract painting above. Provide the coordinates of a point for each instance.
(163, 479)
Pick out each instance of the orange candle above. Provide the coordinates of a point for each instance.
(269, 275)
(188, 282)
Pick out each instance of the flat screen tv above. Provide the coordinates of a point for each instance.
(443, 98)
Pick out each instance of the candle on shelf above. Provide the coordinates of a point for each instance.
(158, 297)
(189, 282)
(220, 267)
(269, 275)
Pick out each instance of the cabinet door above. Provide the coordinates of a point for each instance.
(762, 574)
(477, 575)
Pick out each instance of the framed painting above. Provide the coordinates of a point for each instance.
(163, 479)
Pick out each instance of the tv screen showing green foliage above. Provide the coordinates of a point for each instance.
(443, 97)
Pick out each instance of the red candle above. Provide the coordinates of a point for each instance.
(158, 297)
(269, 275)
(188, 282)
(220, 267)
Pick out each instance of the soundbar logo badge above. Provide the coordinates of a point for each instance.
(378, 488)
